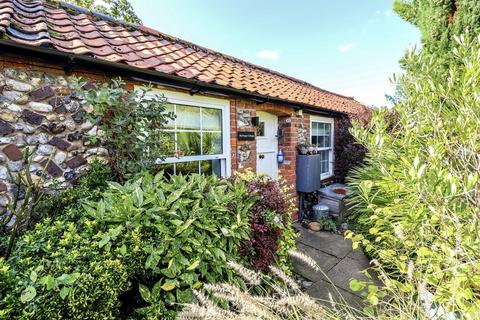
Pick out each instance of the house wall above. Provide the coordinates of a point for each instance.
(38, 110)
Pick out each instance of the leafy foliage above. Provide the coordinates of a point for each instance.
(272, 235)
(416, 199)
(119, 9)
(327, 224)
(439, 22)
(131, 123)
(28, 191)
(137, 252)
(88, 185)
(348, 152)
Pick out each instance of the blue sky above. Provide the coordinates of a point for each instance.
(347, 46)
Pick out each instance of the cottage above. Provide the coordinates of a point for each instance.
(231, 114)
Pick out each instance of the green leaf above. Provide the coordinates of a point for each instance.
(123, 250)
(138, 196)
(28, 294)
(152, 260)
(184, 226)
(33, 276)
(104, 240)
(48, 281)
(356, 285)
(168, 286)
(64, 292)
(157, 290)
(194, 265)
(116, 232)
(144, 292)
(219, 253)
(71, 278)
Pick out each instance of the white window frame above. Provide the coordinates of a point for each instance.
(205, 102)
(331, 155)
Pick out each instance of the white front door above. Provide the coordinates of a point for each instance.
(267, 144)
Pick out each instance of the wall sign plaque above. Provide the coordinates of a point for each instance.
(245, 135)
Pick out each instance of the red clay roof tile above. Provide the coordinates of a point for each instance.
(42, 23)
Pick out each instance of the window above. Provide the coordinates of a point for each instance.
(321, 136)
(261, 129)
(200, 133)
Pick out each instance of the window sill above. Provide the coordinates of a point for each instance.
(325, 177)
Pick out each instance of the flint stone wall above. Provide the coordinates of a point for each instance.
(39, 111)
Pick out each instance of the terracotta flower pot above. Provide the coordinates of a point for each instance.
(314, 226)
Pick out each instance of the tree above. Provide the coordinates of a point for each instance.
(119, 9)
(439, 22)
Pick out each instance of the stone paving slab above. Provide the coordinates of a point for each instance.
(338, 260)
(325, 292)
(325, 262)
(345, 270)
(333, 244)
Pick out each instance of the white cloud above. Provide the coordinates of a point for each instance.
(345, 47)
(386, 13)
(268, 54)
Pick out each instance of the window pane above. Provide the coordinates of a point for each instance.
(314, 128)
(210, 167)
(188, 118)
(212, 143)
(188, 143)
(327, 140)
(261, 129)
(321, 141)
(212, 119)
(170, 145)
(327, 128)
(325, 161)
(170, 123)
(187, 167)
(314, 140)
(325, 167)
(321, 129)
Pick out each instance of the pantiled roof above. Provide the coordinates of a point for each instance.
(78, 31)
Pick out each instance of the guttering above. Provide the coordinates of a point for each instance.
(71, 61)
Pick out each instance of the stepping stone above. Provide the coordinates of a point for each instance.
(324, 261)
(347, 269)
(330, 243)
(323, 290)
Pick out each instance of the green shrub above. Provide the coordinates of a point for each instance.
(415, 202)
(137, 252)
(327, 224)
(89, 184)
(131, 123)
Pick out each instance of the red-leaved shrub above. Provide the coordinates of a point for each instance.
(271, 233)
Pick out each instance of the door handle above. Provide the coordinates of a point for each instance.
(262, 156)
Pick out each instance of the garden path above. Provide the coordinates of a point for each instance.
(339, 263)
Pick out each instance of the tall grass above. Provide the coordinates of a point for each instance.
(276, 296)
